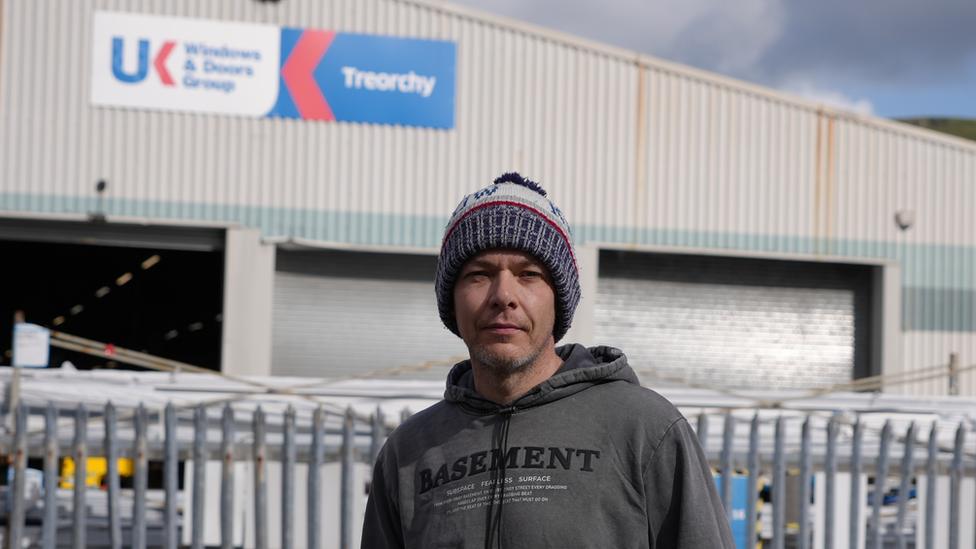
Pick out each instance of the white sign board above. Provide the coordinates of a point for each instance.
(180, 64)
(32, 345)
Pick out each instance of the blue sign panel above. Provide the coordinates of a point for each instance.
(740, 488)
(365, 78)
(389, 80)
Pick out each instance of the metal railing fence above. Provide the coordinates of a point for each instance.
(315, 440)
(902, 484)
(823, 469)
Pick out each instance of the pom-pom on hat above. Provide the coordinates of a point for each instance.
(513, 213)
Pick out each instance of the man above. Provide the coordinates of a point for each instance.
(534, 445)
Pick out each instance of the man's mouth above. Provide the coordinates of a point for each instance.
(503, 328)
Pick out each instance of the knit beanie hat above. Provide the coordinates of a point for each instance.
(512, 213)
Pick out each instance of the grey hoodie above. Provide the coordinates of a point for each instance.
(587, 458)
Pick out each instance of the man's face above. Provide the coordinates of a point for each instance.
(505, 308)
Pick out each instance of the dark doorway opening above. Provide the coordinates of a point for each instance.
(163, 302)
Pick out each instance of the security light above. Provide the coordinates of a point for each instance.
(905, 219)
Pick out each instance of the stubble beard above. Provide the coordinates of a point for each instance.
(500, 366)
(503, 365)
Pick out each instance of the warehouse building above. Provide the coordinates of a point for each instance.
(261, 187)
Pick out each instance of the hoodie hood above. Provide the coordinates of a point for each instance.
(582, 368)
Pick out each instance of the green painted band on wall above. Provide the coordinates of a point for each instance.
(938, 310)
(939, 282)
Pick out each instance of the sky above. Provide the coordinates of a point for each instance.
(889, 58)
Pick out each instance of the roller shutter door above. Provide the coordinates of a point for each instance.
(341, 313)
(736, 323)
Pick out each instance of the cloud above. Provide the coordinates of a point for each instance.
(729, 37)
(831, 98)
(773, 42)
(901, 42)
(647, 26)
(903, 54)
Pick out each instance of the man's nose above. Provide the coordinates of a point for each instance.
(504, 290)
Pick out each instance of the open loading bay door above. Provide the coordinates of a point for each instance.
(156, 290)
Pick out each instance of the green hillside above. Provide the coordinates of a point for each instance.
(951, 126)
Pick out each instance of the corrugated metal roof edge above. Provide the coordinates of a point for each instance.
(652, 62)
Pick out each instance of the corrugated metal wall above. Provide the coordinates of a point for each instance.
(723, 167)
(636, 150)
(518, 100)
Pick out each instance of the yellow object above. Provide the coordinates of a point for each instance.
(759, 504)
(95, 471)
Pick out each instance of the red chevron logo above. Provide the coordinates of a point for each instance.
(160, 63)
(297, 74)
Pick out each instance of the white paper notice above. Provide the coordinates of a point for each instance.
(32, 345)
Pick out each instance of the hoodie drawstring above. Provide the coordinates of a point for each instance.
(493, 525)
